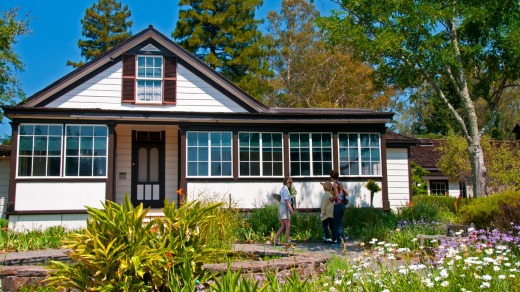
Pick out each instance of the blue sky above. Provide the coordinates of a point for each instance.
(56, 29)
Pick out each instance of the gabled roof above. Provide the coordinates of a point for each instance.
(427, 153)
(239, 96)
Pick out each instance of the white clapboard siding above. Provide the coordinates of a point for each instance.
(23, 223)
(397, 177)
(5, 172)
(103, 91)
(33, 196)
(123, 177)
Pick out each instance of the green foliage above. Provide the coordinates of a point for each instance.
(509, 213)
(454, 161)
(31, 240)
(483, 211)
(105, 25)
(118, 251)
(36, 288)
(225, 35)
(4, 223)
(373, 187)
(10, 29)
(368, 223)
(419, 186)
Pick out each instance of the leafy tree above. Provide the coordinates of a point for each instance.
(312, 74)
(105, 25)
(464, 51)
(502, 160)
(10, 29)
(225, 35)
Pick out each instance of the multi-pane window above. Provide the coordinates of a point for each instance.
(209, 153)
(311, 153)
(39, 150)
(359, 154)
(260, 154)
(149, 79)
(42, 149)
(85, 150)
(439, 187)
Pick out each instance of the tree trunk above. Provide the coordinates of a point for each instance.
(478, 169)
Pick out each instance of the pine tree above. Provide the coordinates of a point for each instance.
(105, 25)
(225, 35)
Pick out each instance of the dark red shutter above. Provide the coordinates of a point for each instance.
(170, 80)
(128, 90)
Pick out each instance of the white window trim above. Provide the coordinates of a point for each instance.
(311, 152)
(359, 155)
(32, 156)
(64, 154)
(209, 156)
(137, 78)
(261, 159)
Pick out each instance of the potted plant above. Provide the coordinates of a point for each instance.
(373, 187)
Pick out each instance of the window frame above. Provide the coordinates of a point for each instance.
(209, 147)
(63, 151)
(92, 156)
(160, 79)
(311, 162)
(33, 156)
(359, 147)
(438, 183)
(261, 160)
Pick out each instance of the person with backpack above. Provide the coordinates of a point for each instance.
(340, 200)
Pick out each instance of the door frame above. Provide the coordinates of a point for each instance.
(162, 177)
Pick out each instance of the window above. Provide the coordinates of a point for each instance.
(209, 153)
(149, 79)
(39, 150)
(439, 187)
(311, 154)
(359, 154)
(260, 154)
(85, 150)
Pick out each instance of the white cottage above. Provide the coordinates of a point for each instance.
(147, 119)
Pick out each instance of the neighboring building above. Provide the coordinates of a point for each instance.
(148, 118)
(427, 155)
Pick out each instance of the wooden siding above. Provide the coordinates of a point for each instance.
(254, 195)
(23, 223)
(124, 160)
(398, 183)
(32, 196)
(104, 91)
(5, 173)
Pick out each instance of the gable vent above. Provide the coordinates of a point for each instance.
(150, 48)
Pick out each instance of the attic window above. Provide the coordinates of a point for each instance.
(149, 79)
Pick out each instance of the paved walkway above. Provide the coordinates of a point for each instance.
(351, 249)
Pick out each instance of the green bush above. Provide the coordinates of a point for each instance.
(32, 240)
(3, 223)
(368, 223)
(117, 252)
(484, 210)
(263, 222)
(509, 213)
(431, 208)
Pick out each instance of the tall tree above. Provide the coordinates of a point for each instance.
(312, 74)
(463, 50)
(11, 27)
(105, 25)
(225, 35)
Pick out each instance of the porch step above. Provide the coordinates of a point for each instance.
(152, 214)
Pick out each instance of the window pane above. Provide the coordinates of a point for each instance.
(73, 130)
(100, 146)
(26, 145)
(277, 168)
(100, 166)
(72, 146)
(39, 166)
(192, 154)
(26, 130)
(364, 139)
(100, 131)
(87, 131)
(55, 146)
(41, 130)
(40, 145)
(86, 146)
(24, 166)
(85, 166)
(53, 166)
(55, 130)
(72, 166)
(203, 169)
(255, 168)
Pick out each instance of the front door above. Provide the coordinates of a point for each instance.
(148, 168)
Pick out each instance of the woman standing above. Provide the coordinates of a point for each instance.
(284, 211)
(339, 199)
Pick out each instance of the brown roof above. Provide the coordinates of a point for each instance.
(398, 140)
